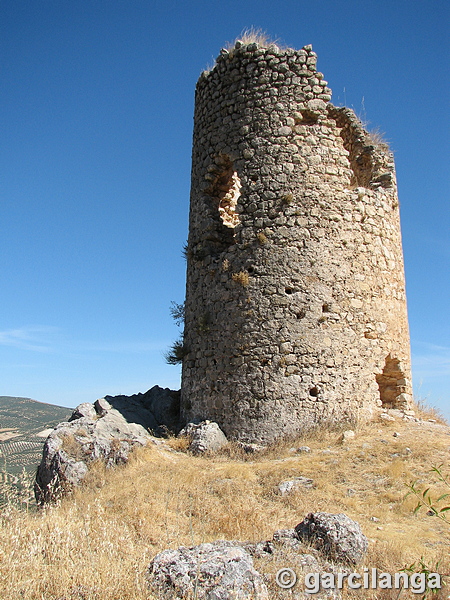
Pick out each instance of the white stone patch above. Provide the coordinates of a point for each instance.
(227, 205)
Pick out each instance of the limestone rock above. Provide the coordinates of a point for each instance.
(317, 106)
(347, 435)
(93, 432)
(336, 535)
(102, 406)
(287, 537)
(287, 487)
(286, 546)
(214, 571)
(250, 448)
(205, 437)
(386, 417)
(157, 410)
(84, 410)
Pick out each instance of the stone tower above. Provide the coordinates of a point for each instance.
(295, 308)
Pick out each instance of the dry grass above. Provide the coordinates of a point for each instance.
(378, 138)
(242, 278)
(426, 412)
(252, 35)
(97, 544)
(262, 238)
(72, 446)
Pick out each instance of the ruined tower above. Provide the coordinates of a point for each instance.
(295, 308)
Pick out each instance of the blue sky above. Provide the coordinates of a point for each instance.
(96, 124)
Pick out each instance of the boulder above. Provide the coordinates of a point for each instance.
(337, 536)
(286, 550)
(93, 432)
(205, 437)
(158, 409)
(221, 570)
(84, 410)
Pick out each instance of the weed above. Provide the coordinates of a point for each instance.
(176, 353)
(177, 312)
(178, 350)
(242, 278)
(425, 411)
(288, 198)
(72, 446)
(203, 322)
(377, 138)
(262, 238)
(252, 35)
(419, 566)
(426, 500)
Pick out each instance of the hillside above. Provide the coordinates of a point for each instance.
(101, 540)
(23, 425)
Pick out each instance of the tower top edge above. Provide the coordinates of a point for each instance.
(258, 51)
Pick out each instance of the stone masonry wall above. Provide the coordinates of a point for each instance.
(295, 307)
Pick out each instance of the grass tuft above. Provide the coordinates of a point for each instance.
(252, 35)
(242, 278)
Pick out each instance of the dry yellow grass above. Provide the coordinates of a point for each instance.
(97, 544)
(242, 278)
(253, 35)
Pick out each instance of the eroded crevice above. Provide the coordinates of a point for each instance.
(225, 188)
(392, 384)
(227, 204)
(370, 160)
(309, 117)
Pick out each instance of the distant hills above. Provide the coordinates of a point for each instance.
(23, 425)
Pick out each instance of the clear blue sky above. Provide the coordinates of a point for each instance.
(96, 123)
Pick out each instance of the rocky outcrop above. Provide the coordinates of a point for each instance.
(158, 409)
(217, 571)
(105, 430)
(93, 432)
(205, 437)
(337, 536)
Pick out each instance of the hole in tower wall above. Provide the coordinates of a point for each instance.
(354, 138)
(226, 188)
(309, 117)
(228, 202)
(391, 384)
